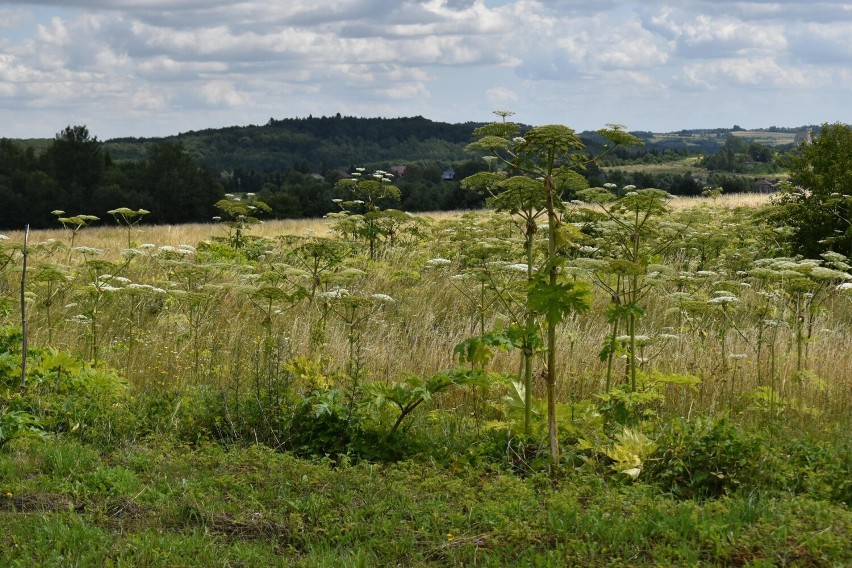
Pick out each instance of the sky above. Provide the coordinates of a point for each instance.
(161, 67)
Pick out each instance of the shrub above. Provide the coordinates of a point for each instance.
(818, 468)
(17, 424)
(703, 458)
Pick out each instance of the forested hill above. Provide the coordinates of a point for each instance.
(293, 164)
(314, 144)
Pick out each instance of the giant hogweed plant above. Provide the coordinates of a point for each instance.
(274, 293)
(319, 258)
(10, 252)
(128, 218)
(363, 217)
(238, 215)
(73, 225)
(551, 154)
(50, 283)
(526, 202)
(630, 240)
(194, 287)
(479, 282)
(102, 278)
(798, 290)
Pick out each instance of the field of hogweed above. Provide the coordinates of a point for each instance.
(702, 379)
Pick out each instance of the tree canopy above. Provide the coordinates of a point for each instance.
(817, 203)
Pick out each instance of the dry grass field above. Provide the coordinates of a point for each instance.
(192, 233)
(432, 313)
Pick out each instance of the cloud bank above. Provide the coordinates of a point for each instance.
(156, 67)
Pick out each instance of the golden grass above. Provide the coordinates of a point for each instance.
(109, 238)
(222, 338)
(728, 201)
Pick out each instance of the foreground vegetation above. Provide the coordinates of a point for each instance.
(156, 504)
(647, 385)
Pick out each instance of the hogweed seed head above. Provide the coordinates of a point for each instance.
(723, 300)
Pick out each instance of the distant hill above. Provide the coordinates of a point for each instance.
(314, 144)
(321, 144)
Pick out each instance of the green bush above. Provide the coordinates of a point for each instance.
(817, 468)
(324, 423)
(63, 395)
(703, 458)
(191, 415)
(18, 424)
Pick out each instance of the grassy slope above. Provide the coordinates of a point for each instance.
(153, 505)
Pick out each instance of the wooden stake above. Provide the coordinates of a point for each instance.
(24, 346)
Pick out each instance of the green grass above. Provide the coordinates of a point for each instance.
(162, 505)
(683, 166)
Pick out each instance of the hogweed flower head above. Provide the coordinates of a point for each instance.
(334, 293)
(89, 251)
(438, 262)
(723, 300)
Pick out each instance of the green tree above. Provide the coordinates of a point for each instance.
(20, 206)
(75, 160)
(817, 203)
(179, 189)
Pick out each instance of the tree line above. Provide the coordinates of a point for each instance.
(77, 174)
(74, 174)
(293, 165)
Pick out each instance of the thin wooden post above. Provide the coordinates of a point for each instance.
(24, 346)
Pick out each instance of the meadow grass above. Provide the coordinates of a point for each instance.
(161, 505)
(213, 335)
(109, 237)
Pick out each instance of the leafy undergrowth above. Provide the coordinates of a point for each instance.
(63, 503)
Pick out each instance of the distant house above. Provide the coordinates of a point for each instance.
(763, 185)
(398, 171)
(448, 175)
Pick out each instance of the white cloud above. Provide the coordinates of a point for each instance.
(403, 91)
(149, 100)
(762, 73)
(223, 93)
(499, 97)
(13, 17)
(703, 35)
(443, 59)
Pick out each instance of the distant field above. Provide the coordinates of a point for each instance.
(686, 138)
(731, 200)
(766, 138)
(701, 138)
(685, 166)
